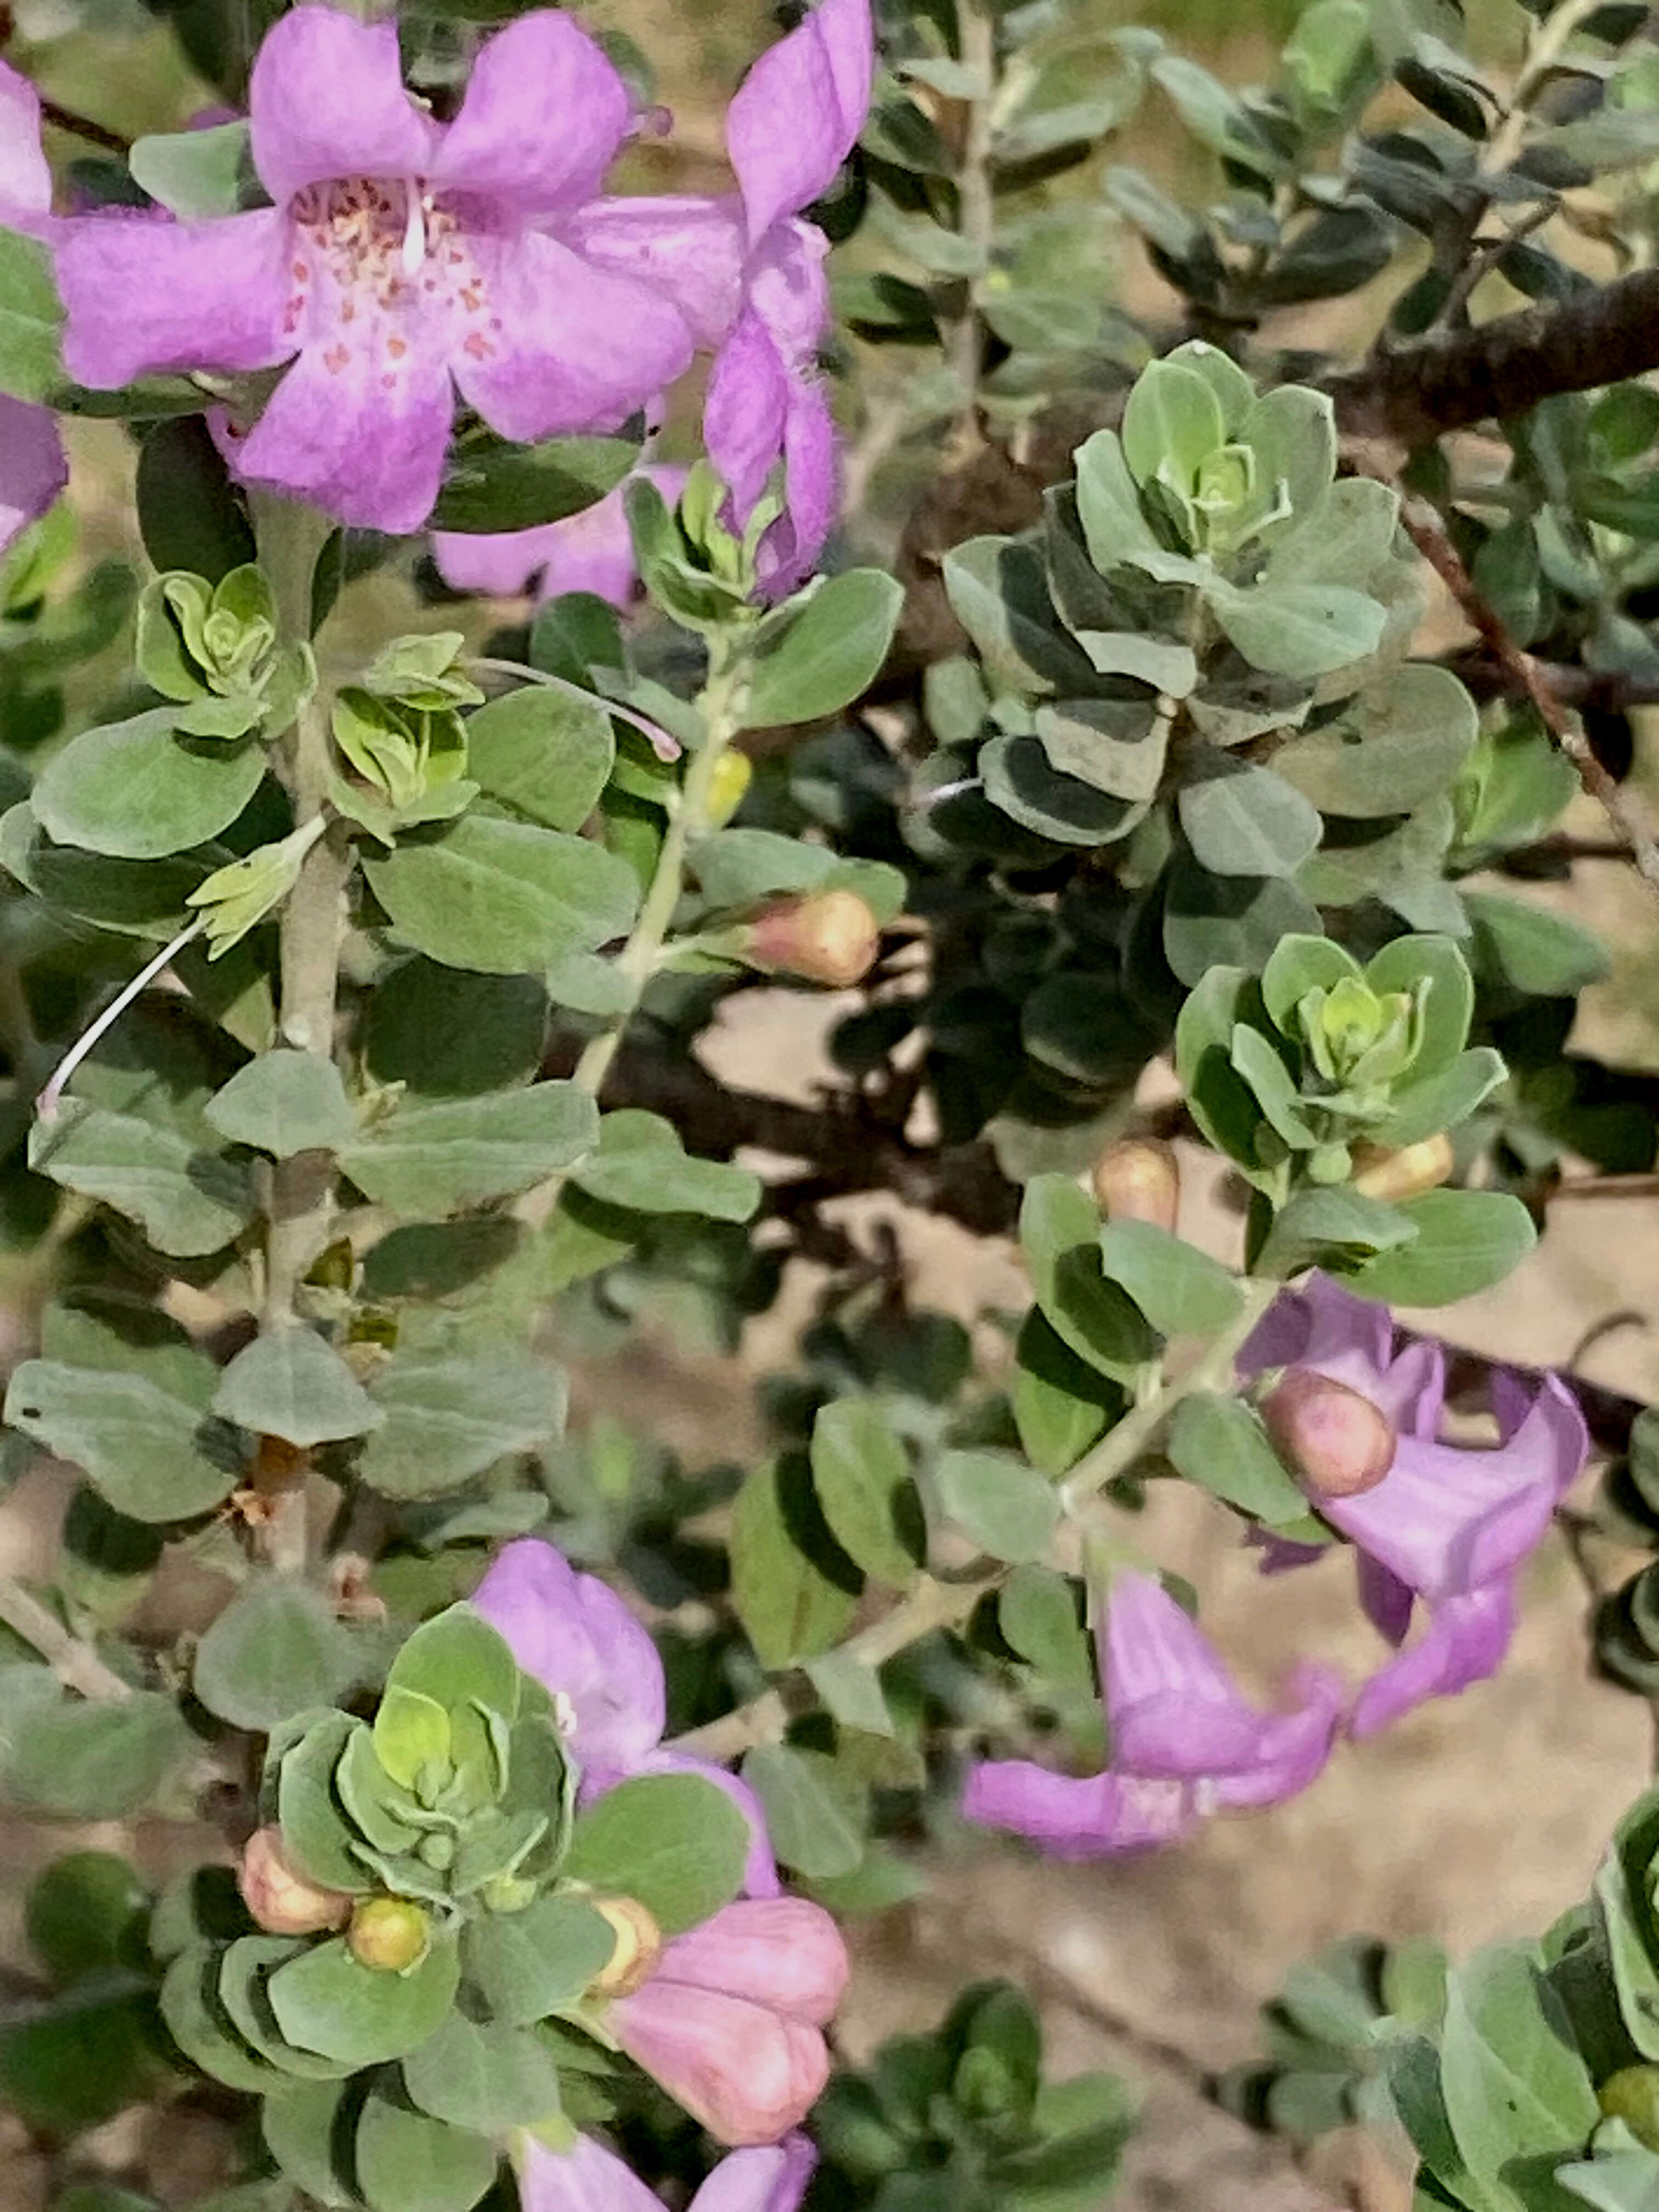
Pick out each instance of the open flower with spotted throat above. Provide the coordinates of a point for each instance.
(33, 469)
(403, 259)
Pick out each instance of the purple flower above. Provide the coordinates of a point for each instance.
(589, 2179)
(1448, 1525)
(402, 257)
(576, 1636)
(591, 551)
(33, 469)
(751, 281)
(1183, 1741)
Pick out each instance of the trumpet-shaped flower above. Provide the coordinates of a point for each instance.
(1448, 1525)
(588, 2178)
(577, 1637)
(403, 259)
(730, 2023)
(593, 552)
(1184, 1741)
(33, 469)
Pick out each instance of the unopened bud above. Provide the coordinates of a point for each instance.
(1632, 2095)
(1413, 1168)
(389, 1934)
(828, 936)
(1338, 1442)
(732, 777)
(639, 1947)
(1139, 1180)
(280, 1898)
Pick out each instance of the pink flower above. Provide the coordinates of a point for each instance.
(33, 469)
(591, 551)
(589, 2179)
(403, 259)
(1183, 1741)
(730, 2022)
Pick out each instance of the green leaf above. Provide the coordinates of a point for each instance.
(999, 594)
(461, 1661)
(189, 515)
(1037, 1615)
(445, 1033)
(852, 1693)
(676, 1842)
(484, 2075)
(816, 655)
(1108, 504)
(136, 792)
(406, 2162)
(1006, 1507)
(504, 897)
(1219, 1443)
(326, 2002)
(816, 1824)
(244, 1969)
(449, 1419)
(1465, 1242)
(87, 1913)
(290, 1383)
(1441, 1101)
(1298, 965)
(490, 485)
(531, 1964)
(97, 1762)
(314, 1830)
(1228, 921)
(75, 2061)
(187, 1201)
(1113, 745)
(1334, 1229)
(1448, 1004)
(1060, 1233)
(641, 1163)
(197, 2020)
(31, 367)
(1517, 2092)
(284, 1102)
(1543, 954)
(794, 1589)
(302, 2129)
(1180, 1289)
(276, 1649)
(1020, 778)
(1171, 424)
(1299, 629)
(427, 1160)
(545, 754)
(1392, 747)
(1060, 1404)
(194, 174)
(1242, 820)
(1292, 430)
(136, 1422)
(861, 1473)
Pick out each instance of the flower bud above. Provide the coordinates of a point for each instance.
(1379, 1173)
(828, 936)
(281, 1899)
(639, 1947)
(1632, 2095)
(1338, 1442)
(732, 775)
(389, 1934)
(1139, 1180)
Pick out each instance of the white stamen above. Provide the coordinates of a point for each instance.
(564, 1714)
(414, 255)
(46, 1104)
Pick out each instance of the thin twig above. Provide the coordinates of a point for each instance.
(80, 126)
(75, 1664)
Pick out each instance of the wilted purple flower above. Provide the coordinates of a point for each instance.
(1184, 1742)
(589, 2179)
(33, 469)
(752, 282)
(402, 257)
(1449, 1524)
(593, 552)
(576, 1636)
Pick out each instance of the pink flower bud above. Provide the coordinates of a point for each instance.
(281, 1899)
(639, 1947)
(830, 936)
(1414, 1169)
(1139, 1180)
(390, 1935)
(1336, 1440)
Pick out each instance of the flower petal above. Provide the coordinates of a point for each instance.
(748, 2074)
(501, 563)
(798, 114)
(689, 250)
(784, 1953)
(745, 412)
(1465, 1642)
(326, 100)
(1078, 1818)
(579, 1639)
(1292, 1749)
(24, 179)
(789, 550)
(142, 296)
(1386, 1602)
(333, 433)
(544, 117)
(33, 469)
(770, 2181)
(586, 2178)
(578, 348)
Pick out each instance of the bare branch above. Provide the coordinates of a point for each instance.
(75, 1664)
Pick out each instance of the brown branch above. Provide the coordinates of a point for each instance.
(1603, 690)
(80, 126)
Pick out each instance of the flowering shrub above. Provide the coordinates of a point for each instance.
(553, 610)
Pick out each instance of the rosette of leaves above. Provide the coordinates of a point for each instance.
(401, 733)
(397, 2056)
(963, 2120)
(1196, 662)
(215, 649)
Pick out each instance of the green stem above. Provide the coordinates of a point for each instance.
(934, 1605)
(75, 1664)
(976, 216)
